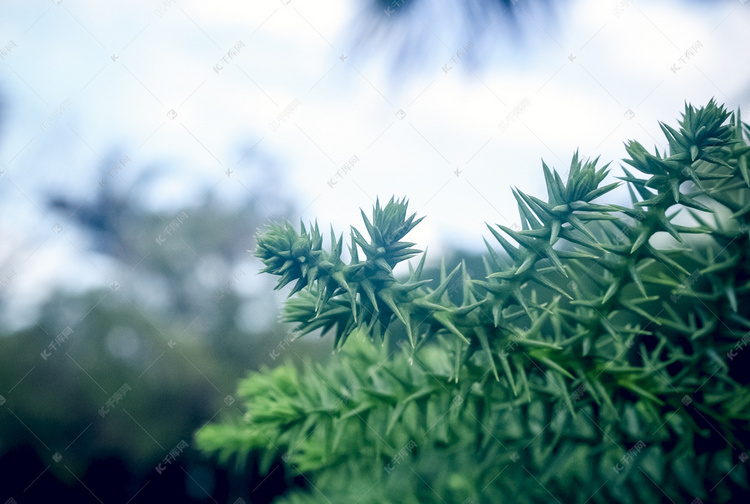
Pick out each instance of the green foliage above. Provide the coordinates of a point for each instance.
(601, 359)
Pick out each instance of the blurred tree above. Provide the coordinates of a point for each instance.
(415, 29)
(104, 384)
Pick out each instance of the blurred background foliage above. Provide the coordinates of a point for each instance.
(174, 330)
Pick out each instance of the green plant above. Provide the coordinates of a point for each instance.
(601, 359)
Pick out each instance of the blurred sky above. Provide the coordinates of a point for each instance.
(204, 97)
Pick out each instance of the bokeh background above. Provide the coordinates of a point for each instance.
(143, 144)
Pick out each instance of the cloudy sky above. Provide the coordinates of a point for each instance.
(220, 95)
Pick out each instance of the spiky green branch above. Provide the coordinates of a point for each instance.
(594, 362)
